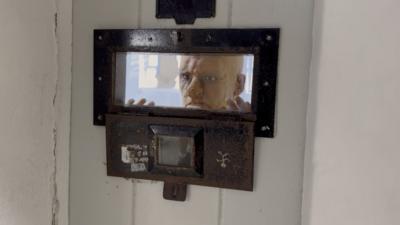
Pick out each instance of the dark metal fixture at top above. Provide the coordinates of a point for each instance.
(185, 11)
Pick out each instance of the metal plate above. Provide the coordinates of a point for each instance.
(263, 43)
(227, 160)
(185, 11)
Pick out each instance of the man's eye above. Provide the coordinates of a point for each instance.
(185, 76)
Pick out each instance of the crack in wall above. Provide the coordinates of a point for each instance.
(55, 22)
(55, 204)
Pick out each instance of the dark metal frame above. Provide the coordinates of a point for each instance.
(263, 43)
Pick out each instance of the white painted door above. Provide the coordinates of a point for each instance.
(101, 200)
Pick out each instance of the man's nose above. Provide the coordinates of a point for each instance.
(195, 89)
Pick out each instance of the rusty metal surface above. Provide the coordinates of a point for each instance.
(227, 157)
(263, 43)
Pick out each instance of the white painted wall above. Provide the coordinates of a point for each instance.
(352, 161)
(98, 199)
(94, 197)
(35, 62)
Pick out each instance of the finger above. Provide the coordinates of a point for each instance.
(150, 103)
(130, 101)
(141, 101)
(243, 106)
(232, 105)
(247, 107)
(239, 101)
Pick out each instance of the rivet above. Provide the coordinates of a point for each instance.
(208, 38)
(100, 78)
(268, 37)
(265, 128)
(266, 84)
(100, 117)
(100, 37)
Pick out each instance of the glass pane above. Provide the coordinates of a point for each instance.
(194, 81)
(175, 151)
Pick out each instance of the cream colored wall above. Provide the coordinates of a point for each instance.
(98, 199)
(352, 158)
(35, 62)
(94, 197)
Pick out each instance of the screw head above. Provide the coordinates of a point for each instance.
(100, 78)
(268, 38)
(265, 128)
(100, 117)
(266, 84)
(100, 37)
(208, 38)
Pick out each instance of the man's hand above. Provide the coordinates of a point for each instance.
(237, 104)
(140, 102)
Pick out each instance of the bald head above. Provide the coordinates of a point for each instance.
(208, 81)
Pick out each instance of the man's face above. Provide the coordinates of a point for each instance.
(208, 81)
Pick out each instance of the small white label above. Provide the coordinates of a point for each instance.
(125, 155)
(136, 155)
(138, 167)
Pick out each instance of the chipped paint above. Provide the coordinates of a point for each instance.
(141, 181)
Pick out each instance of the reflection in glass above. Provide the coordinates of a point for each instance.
(175, 151)
(212, 81)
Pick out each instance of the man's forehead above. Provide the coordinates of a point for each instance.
(203, 57)
(191, 62)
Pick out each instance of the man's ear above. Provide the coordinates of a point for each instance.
(239, 86)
